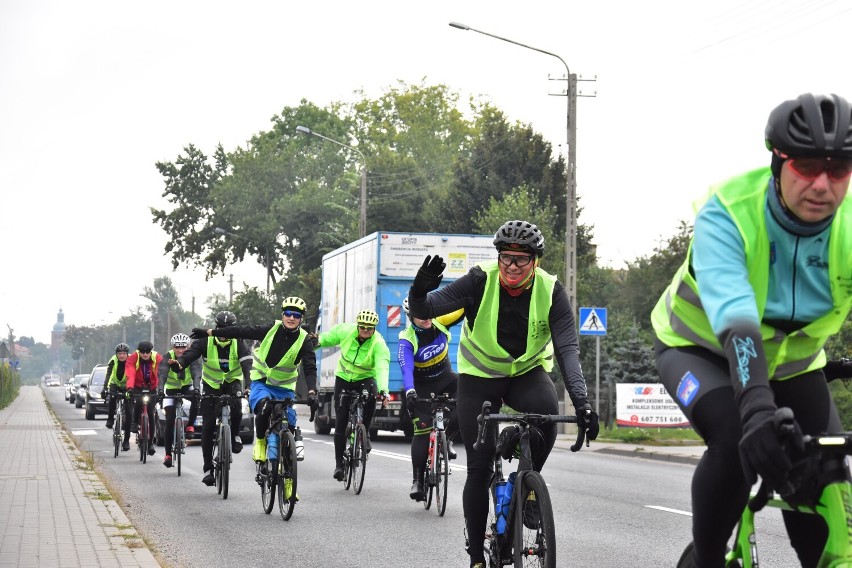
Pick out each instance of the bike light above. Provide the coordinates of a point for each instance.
(832, 441)
(145, 398)
(245, 406)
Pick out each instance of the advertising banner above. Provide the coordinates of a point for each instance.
(647, 405)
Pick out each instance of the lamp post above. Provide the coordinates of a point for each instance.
(362, 221)
(571, 211)
(221, 231)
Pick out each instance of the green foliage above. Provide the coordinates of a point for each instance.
(523, 203)
(842, 394)
(650, 436)
(10, 384)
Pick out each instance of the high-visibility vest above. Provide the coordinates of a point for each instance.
(212, 372)
(480, 355)
(285, 372)
(679, 318)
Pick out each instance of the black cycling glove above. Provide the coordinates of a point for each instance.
(198, 333)
(588, 420)
(429, 276)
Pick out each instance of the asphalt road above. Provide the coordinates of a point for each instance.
(611, 511)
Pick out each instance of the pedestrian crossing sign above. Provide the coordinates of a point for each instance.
(592, 321)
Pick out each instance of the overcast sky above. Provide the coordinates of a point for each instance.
(92, 94)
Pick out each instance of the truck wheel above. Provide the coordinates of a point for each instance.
(320, 428)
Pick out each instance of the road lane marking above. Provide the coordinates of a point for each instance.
(668, 510)
(386, 454)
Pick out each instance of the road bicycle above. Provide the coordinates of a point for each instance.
(279, 473)
(520, 528)
(143, 434)
(437, 458)
(222, 455)
(118, 425)
(820, 484)
(355, 453)
(178, 436)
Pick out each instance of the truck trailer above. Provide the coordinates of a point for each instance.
(375, 272)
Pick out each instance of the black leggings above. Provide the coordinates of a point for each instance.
(446, 382)
(170, 412)
(719, 488)
(530, 392)
(341, 408)
(208, 416)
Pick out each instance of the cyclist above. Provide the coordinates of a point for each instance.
(178, 382)
(116, 384)
(740, 331)
(224, 363)
(140, 369)
(275, 367)
(423, 355)
(517, 317)
(364, 364)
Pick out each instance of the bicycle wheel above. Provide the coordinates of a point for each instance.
(286, 474)
(116, 431)
(687, 559)
(347, 457)
(144, 431)
(429, 473)
(267, 488)
(442, 472)
(359, 459)
(534, 530)
(177, 446)
(224, 463)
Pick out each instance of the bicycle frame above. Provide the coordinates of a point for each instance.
(354, 449)
(503, 546)
(834, 505)
(439, 404)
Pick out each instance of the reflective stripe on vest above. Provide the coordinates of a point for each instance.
(212, 372)
(679, 318)
(480, 355)
(285, 372)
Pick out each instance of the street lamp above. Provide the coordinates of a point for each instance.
(221, 231)
(362, 221)
(571, 211)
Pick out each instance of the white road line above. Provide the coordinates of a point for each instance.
(84, 432)
(391, 455)
(668, 510)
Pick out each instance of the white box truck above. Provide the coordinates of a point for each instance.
(375, 272)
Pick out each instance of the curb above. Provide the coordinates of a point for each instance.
(644, 454)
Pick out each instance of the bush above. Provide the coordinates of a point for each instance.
(10, 384)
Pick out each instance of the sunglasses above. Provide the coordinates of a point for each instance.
(292, 314)
(145, 352)
(366, 328)
(811, 168)
(518, 260)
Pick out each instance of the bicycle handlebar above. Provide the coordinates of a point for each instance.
(525, 419)
(290, 402)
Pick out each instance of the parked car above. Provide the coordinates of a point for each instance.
(68, 389)
(246, 426)
(51, 381)
(93, 401)
(74, 384)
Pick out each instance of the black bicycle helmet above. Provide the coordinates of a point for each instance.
(145, 346)
(122, 347)
(225, 319)
(811, 125)
(520, 236)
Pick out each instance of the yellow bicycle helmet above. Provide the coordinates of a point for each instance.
(294, 303)
(367, 317)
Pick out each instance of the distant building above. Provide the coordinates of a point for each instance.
(57, 336)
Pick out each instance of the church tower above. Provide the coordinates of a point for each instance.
(57, 336)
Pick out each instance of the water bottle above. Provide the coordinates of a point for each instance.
(300, 445)
(502, 499)
(272, 446)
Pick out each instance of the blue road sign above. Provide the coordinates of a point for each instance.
(592, 321)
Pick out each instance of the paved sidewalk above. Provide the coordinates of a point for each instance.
(54, 511)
